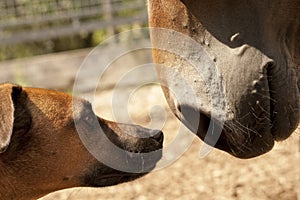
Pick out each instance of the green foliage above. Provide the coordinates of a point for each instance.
(44, 47)
(98, 37)
(24, 50)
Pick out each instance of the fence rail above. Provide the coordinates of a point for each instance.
(35, 20)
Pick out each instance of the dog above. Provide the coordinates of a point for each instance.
(48, 142)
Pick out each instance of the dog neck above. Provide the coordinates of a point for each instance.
(11, 187)
(7, 183)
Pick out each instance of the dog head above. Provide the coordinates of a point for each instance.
(51, 141)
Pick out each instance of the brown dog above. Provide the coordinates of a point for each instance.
(41, 150)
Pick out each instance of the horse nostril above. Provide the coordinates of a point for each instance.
(158, 136)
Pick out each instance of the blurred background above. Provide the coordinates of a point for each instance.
(43, 43)
(34, 27)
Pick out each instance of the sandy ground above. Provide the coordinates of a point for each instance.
(219, 176)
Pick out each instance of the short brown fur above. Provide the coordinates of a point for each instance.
(45, 152)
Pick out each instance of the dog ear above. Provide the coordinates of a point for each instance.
(7, 108)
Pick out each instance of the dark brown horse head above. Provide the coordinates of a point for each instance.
(230, 69)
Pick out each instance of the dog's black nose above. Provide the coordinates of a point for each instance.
(157, 135)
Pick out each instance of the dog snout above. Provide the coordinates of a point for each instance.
(158, 136)
(142, 140)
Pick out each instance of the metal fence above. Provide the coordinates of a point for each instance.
(36, 20)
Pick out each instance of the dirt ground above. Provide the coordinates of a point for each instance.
(219, 176)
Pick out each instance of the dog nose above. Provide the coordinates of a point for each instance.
(158, 136)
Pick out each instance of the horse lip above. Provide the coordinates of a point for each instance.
(272, 103)
(198, 121)
(283, 117)
(239, 149)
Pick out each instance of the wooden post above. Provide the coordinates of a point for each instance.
(109, 16)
